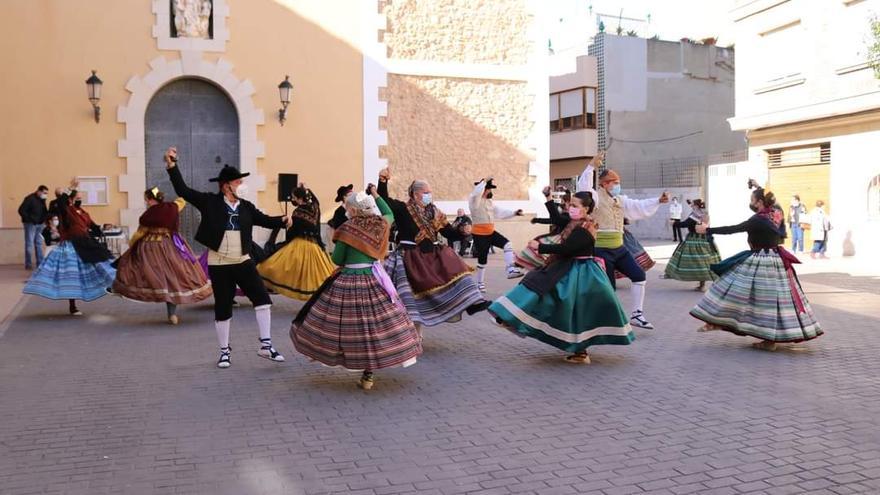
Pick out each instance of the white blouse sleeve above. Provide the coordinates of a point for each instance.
(637, 209)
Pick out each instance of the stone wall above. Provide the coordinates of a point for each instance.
(455, 131)
(468, 31)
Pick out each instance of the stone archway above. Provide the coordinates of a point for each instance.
(142, 90)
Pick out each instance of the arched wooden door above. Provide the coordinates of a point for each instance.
(201, 121)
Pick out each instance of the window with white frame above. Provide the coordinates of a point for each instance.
(573, 109)
(781, 51)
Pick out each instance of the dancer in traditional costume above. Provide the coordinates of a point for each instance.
(569, 303)
(433, 282)
(758, 294)
(485, 236)
(635, 248)
(159, 265)
(356, 319)
(79, 267)
(339, 215)
(611, 208)
(693, 258)
(299, 268)
(530, 258)
(226, 228)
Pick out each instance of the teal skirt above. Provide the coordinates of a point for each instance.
(580, 311)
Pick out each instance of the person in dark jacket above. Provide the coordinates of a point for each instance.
(226, 229)
(339, 216)
(33, 213)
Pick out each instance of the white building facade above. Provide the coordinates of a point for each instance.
(807, 96)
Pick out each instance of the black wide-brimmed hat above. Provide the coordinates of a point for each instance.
(489, 184)
(342, 191)
(229, 174)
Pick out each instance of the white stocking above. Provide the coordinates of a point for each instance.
(637, 291)
(222, 328)
(264, 320)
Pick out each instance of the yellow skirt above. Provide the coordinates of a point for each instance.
(297, 270)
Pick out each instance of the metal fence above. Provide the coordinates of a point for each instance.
(673, 172)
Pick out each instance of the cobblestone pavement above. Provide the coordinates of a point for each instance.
(118, 402)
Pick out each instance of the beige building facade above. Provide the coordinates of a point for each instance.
(574, 138)
(807, 96)
(437, 91)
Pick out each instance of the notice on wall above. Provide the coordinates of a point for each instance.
(93, 190)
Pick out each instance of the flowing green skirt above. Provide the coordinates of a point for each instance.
(580, 311)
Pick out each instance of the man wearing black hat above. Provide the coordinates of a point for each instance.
(484, 233)
(339, 217)
(226, 228)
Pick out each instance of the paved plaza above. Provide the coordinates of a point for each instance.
(117, 402)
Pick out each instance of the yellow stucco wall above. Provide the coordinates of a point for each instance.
(458, 30)
(49, 136)
(453, 132)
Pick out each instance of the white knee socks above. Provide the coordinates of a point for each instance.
(481, 274)
(222, 328)
(509, 258)
(637, 291)
(264, 320)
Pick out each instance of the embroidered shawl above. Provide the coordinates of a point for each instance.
(429, 219)
(309, 212)
(366, 233)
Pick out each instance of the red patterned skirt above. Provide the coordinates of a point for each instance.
(353, 323)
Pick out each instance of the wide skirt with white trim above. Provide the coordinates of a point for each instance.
(580, 311)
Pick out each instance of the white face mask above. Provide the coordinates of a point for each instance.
(241, 190)
(44, 195)
(55, 222)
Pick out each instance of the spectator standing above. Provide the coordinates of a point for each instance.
(797, 214)
(820, 224)
(675, 210)
(464, 226)
(34, 213)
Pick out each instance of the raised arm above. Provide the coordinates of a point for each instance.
(585, 180)
(387, 214)
(196, 198)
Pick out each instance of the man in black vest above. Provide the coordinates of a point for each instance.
(226, 229)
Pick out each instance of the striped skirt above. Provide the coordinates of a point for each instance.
(353, 323)
(156, 269)
(759, 297)
(531, 259)
(582, 310)
(435, 307)
(637, 251)
(63, 275)
(692, 260)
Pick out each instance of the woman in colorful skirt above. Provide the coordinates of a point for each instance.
(693, 258)
(159, 265)
(299, 268)
(569, 303)
(758, 294)
(356, 319)
(434, 283)
(79, 268)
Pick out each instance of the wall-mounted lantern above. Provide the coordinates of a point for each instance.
(93, 83)
(284, 90)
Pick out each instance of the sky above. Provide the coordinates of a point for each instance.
(572, 22)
